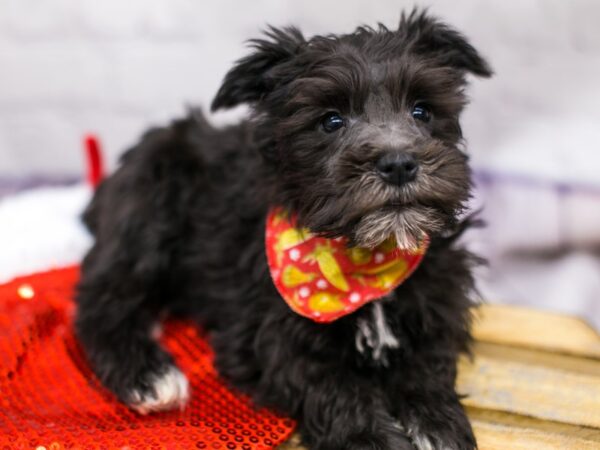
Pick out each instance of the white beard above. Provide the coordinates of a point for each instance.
(407, 226)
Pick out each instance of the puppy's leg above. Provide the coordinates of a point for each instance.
(428, 407)
(115, 325)
(127, 277)
(438, 422)
(343, 413)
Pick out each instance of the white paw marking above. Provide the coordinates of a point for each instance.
(171, 390)
(422, 442)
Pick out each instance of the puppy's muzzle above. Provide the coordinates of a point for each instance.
(397, 168)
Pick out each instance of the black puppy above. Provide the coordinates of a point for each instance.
(356, 136)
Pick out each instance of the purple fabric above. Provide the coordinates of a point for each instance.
(485, 177)
(9, 186)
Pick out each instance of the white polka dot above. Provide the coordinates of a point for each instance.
(304, 292)
(354, 297)
(294, 254)
(317, 314)
(379, 257)
(322, 284)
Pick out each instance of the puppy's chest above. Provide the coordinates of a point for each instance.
(375, 338)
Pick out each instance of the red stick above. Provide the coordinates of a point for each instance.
(95, 169)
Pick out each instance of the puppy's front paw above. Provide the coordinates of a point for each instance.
(386, 438)
(441, 441)
(423, 442)
(164, 391)
(380, 440)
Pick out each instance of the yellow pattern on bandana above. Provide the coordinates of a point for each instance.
(324, 279)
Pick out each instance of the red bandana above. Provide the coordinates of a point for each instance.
(323, 279)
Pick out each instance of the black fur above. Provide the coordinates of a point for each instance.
(179, 228)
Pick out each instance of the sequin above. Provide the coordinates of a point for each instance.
(50, 399)
(26, 292)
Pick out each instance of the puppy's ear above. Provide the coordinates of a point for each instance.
(448, 46)
(257, 74)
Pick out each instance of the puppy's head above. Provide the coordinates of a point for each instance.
(362, 130)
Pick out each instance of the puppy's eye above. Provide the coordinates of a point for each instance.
(421, 112)
(332, 121)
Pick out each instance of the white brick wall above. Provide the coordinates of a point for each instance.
(114, 66)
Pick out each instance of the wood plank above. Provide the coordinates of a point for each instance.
(524, 327)
(552, 387)
(496, 430)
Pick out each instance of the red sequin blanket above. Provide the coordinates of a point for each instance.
(50, 400)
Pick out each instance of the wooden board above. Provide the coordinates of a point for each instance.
(534, 381)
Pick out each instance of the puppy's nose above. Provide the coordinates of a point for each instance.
(397, 168)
